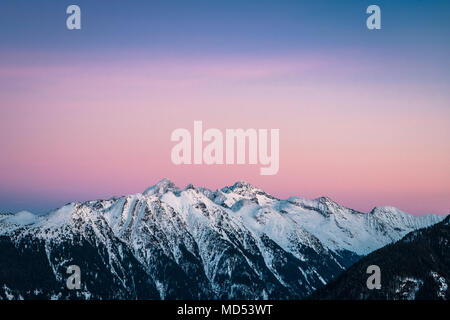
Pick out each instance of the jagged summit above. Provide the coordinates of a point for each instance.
(328, 202)
(243, 184)
(189, 186)
(161, 187)
(242, 190)
(240, 185)
(385, 209)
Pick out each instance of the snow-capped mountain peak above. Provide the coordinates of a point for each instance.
(161, 187)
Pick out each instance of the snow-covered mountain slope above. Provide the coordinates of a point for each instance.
(335, 226)
(168, 243)
(415, 267)
(36, 251)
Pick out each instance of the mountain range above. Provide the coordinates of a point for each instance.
(237, 242)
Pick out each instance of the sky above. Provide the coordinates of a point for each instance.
(364, 115)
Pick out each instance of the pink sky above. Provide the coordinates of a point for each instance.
(77, 131)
